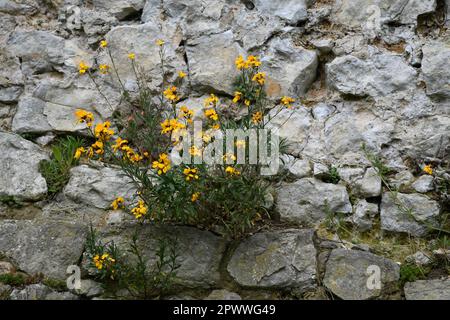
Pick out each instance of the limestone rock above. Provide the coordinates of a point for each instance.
(423, 184)
(424, 213)
(370, 184)
(293, 11)
(120, 8)
(347, 274)
(199, 252)
(19, 168)
(435, 68)
(292, 125)
(364, 214)
(419, 258)
(39, 291)
(428, 290)
(276, 259)
(357, 13)
(98, 187)
(47, 247)
(140, 40)
(290, 69)
(380, 75)
(90, 289)
(305, 200)
(211, 62)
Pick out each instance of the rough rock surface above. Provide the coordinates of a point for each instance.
(275, 259)
(381, 75)
(47, 247)
(98, 187)
(428, 290)
(347, 274)
(410, 213)
(199, 252)
(306, 200)
(372, 72)
(19, 168)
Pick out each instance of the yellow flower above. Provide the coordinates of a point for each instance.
(133, 156)
(187, 113)
(79, 152)
(253, 61)
(259, 77)
(84, 116)
(82, 68)
(171, 93)
(215, 126)
(163, 163)
(104, 68)
(159, 42)
(102, 260)
(195, 196)
(120, 143)
(240, 143)
(190, 174)
(240, 63)
(237, 96)
(118, 203)
(232, 171)
(194, 151)
(102, 131)
(131, 56)
(97, 147)
(287, 101)
(211, 114)
(212, 100)
(229, 157)
(172, 125)
(140, 210)
(206, 137)
(257, 117)
(103, 43)
(428, 169)
(181, 74)
(247, 102)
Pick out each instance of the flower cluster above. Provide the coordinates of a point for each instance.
(170, 126)
(162, 165)
(190, 173)
(251, 62)
(140, 210)
(171, 94)
(428, 169)
(103, 261)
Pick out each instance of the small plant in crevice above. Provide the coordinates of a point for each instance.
(410, 272)
(130, 270)
(13, 279)
(56, 171)
(332, 176)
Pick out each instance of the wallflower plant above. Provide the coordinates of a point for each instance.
(227, 197)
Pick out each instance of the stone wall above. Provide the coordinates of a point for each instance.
(366, 71)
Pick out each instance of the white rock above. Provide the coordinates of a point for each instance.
(424, 184)
(423, 213)
(19, 168)
(306, 200)
(364, 214)
(290, 69)
(98, 187)
(380, 75)
(211, 62)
